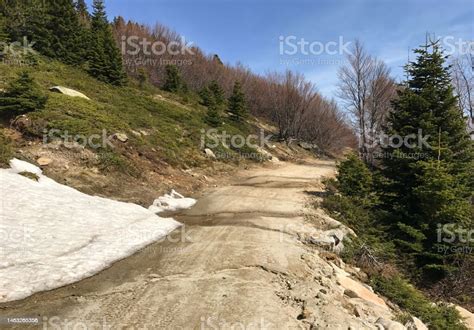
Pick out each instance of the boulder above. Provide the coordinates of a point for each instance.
(68, 92)
(209, 153)
(389, 324)
(121, 137)
(467, 316)
(356, 288)
(44, 161)
(416, 324)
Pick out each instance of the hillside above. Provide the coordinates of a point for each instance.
(163, 131)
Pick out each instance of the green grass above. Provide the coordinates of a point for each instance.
(6, 150)
(411, 300)
(174, 123)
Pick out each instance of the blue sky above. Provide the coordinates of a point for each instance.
(249, 30)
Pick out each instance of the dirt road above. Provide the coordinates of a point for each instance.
(239, 261)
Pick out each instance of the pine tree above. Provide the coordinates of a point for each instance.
(3, 31)
(217, 92)
(213, 117)
(237, 106)
(173, 82)
(206, 97)
(428, 183)
(23, 95)
(64, 30)
(105, 59)
(83, 13)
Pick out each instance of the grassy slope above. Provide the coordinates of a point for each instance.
(174, 122)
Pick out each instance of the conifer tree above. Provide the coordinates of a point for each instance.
(429, 177)
(3, 30)
(218, 93)
(23, 95)
(206, 96)
(62, 23)
(173, 81)
(105, 59)
(237, 106)
(83, 13)
(213, 117)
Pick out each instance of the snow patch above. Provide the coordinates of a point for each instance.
(52, 235)
(171, 202)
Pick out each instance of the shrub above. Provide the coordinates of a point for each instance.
(6, 150)
(399, 291)
(23, 95)
(355, 180)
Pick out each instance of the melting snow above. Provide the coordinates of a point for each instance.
(52, 235)
(171, 202)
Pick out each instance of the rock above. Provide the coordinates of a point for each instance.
(44, 161)
(264, 153)
(389, 325)
(324, 242)
(330, 240)
(144, 133)
(137, 134)
(416, 324)
(358, 311)
(68, 92)
(305, 145)
(21, 123)
(467, 316)
(360, 290)
(350, 293)
(121, 137)
(209, 153)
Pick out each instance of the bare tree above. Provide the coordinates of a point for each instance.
(463, 81)
(290, 97)
(366, 89)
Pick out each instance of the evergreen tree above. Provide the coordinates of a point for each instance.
(237, 106)
(62, 23)
(218, 93)
(83, 13)
(23, 95)
(428, 183)
(213, 117)
(173, 82)
(3, 31)
(105, 59)
(206, 97)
